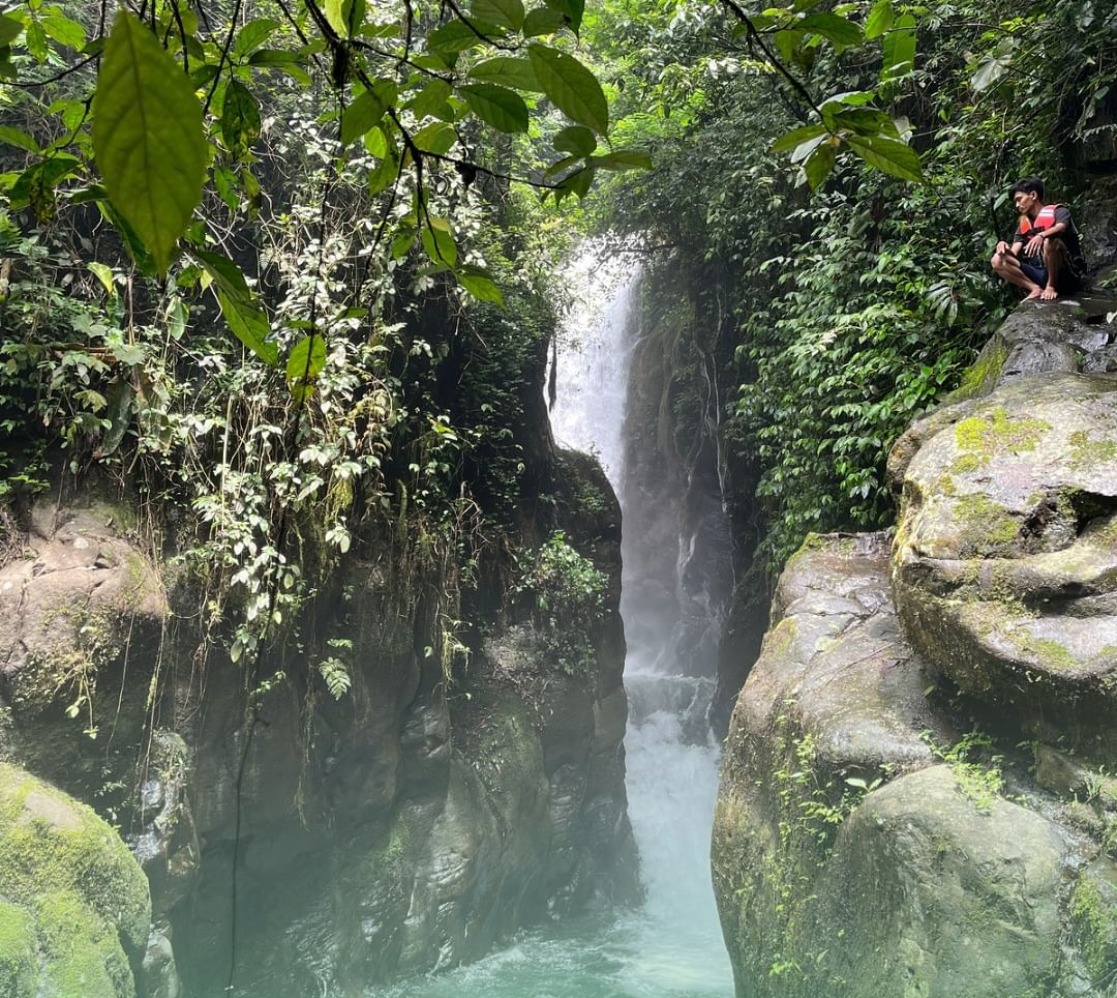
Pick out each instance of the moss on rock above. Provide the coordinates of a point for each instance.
(18, 961)
(71, 884)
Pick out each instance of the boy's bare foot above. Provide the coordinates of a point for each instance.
(1049, 294)
(1034, 294)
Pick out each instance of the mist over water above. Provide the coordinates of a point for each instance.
(671, 947)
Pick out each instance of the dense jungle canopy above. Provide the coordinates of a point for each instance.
(286, 263)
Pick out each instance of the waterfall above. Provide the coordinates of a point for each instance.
(671, 757)
(672, 946)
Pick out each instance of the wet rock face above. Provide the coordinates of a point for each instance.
(1005, 566)
(414, 823)
(81, 608)
(853, 857)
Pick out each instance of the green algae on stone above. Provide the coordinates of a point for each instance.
(77, 885)
(985, 526)
(980, 377)
(983, 437)
(1086, 453)
(18, 958)
(83, 951)
(1094, 924)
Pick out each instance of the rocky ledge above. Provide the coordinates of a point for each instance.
(915, 797)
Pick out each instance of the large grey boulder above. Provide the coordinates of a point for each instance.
(1005, 564)
(860, 849)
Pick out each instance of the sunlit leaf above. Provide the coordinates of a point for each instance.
(879, 19)
(305, 363)
(364, 112)
(148, 139)
(505, 13)
(376, 142)
(383, 176)
(253, 35)
(480, 285)
(623, 159)
(103, 273)
(250, 324)
(437, 138)
(439, 243)
(571, 87)
(507, 71)
(504, 109)
(64, 31)
(898, 50)
(345, 16)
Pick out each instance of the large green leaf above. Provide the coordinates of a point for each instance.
(898, 55)
(571, 11)
(253, 35)
(454, 36)
(543, 21)
(888, 155)
(820, 163)
(360, 116)
(346, 17)
(304, 364)
(10, 29)
(250, 324)
(226, 275)
(623, 159)
(438, 241)
(437, 138)
(148, 139)
(430, 98)
(505, 13)
(479, 284)
(504, 109)
(15, 137)
(879, 19)
(841, 32)
(240, 118)
(507, 71)
(571, 87)
(576, 139)
(64, 31)
(797, 136)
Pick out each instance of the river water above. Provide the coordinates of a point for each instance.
(671, 947)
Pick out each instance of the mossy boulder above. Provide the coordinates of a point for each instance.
(75, 912)
(836, 695)
(930, 892)
(1005, 557)
(854, 855)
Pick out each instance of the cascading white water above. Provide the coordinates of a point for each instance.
(672, 946)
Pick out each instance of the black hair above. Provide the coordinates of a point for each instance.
(1029, 185)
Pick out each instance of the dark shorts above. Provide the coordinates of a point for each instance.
(1068, 281)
